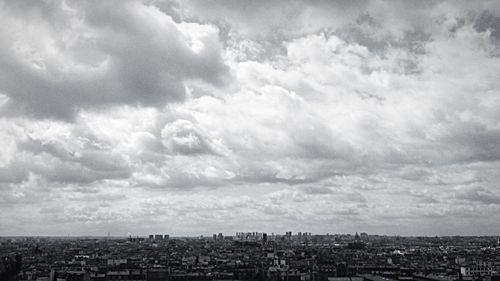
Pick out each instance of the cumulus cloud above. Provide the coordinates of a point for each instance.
(183, 137)
(61, 56)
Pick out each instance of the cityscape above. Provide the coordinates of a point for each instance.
(299, 256)
(249, 140)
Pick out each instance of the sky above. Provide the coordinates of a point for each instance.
(199, 117)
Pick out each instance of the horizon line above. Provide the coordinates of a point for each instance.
(232, 235)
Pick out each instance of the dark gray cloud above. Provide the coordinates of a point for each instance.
(60, 56)
(64, 162)
(489, 22)
(479, 195)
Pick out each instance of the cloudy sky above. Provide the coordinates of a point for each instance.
(195, 117)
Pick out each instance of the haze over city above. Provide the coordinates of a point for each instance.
(198, 117)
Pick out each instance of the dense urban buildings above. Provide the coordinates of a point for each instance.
(229, 118)
(251, 256)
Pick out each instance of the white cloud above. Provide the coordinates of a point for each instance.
(384, 118)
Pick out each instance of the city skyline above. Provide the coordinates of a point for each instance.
(258, 257)
(232, 235)
(199, 117)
